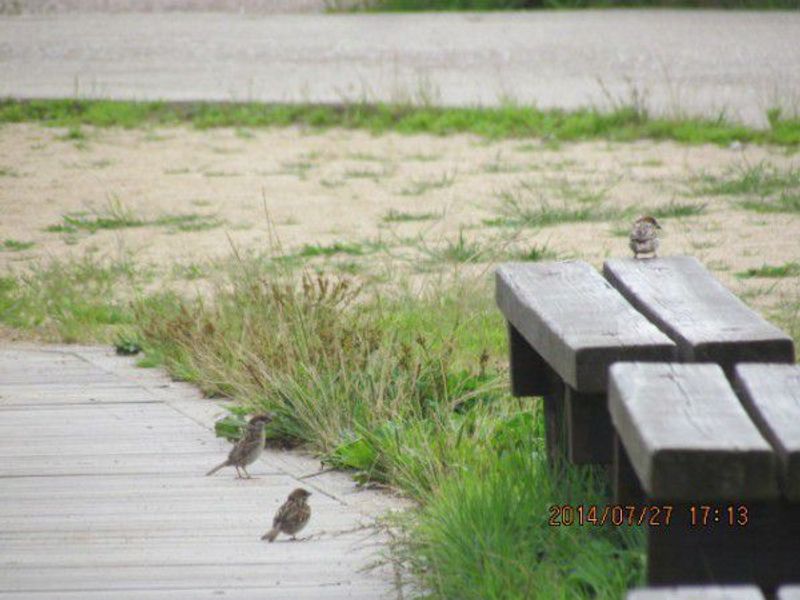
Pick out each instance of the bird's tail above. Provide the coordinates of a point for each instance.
(217, 468)
(270, 535)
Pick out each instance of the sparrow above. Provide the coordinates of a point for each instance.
(644, 236)
(248, 449)
(291, 517)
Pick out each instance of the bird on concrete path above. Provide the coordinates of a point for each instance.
(248, 449)
(644, 236)
(291, 517)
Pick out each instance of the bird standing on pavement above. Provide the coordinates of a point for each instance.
(644, 236)
(291, 517)
(248, 449)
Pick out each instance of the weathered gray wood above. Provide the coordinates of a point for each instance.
(771, 395)
(589, 430)
(789, 592)
(687, 435)
(351, 590)
(109, 499)
(709, 323)
(576, 321)
(698, 592)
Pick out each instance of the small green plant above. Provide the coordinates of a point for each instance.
(8, 172)
(418, 187)
(189, 222)
(15, 245)
(790, 269)
(396, 216)
(534, 253)
(767, 188)
(126, 345)
(677, 209)
(458, 250)
(74, 133)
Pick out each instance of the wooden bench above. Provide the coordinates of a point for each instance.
(566, 326)
(708, 322)
(684, 440)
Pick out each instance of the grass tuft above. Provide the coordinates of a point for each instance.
(15, 245)
(623, 123)
(396, 216)
(790, 269)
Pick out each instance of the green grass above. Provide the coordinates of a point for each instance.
(457, 250)
(790, 269)
(116, 215)
(677, 210)
(418, 187)
(534, 253)
(397, 216)
(8, 172)
(75, 301)
(15, 245)
(351, 248)
(530, 204)
(765, 187)
(625, 123)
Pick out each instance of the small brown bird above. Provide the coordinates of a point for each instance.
(291, 517)
(248, 449)
(644, 236)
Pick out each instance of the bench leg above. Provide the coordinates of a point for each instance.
(530, 374)
(717, 552)
(589, 429)
(555, 431)
(627, 489)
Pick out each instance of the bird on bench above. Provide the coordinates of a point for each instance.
(248, 449)
(644, 236)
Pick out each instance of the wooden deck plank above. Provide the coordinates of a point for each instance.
(108, 499)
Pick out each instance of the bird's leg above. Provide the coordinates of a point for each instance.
(238, 474)
(246, 473)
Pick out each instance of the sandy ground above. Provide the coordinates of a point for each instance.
(339, 185)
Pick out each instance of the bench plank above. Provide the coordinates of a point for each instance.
(771, 395)
(686, 434)
(576, 321)
(789, 592)
(709, 323)
(698, 592)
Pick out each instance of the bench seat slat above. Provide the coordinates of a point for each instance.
(771, 395)
(708, 322)
(576, 321)
(686, 434)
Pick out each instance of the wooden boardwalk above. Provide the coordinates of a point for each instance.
(102, 495)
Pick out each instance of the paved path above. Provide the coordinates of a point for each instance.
(102, 495)
(700, 62)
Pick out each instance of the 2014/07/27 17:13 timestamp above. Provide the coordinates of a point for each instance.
(699, 515)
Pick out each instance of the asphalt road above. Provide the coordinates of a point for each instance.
(694, 62)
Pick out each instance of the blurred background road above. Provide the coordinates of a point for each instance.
(691, 62)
